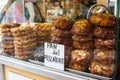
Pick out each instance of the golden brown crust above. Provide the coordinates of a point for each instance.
(104, 56)
(27, 47)
(83, 38)
(81, 57)
(63, 23)
(4, 46)
(7, 42)
(65, 41)
(61, 33)
(43, 33)
(86, 45)
(23, 56)
(100, 69)
(82, 27)
(6, 34)
(8, 51)
(101, 32)
(103, 19)
(104, 43)
(42, 26)
(23, 52)
(78, 67)
(25, 42)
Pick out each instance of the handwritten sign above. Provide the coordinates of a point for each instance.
(54, 55)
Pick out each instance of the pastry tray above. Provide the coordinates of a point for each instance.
(88, 74)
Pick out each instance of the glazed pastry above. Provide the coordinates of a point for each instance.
(28, 46)
(24, 42)
(64, 41)
(43, 33)
(23, 56)
(61, 33)
(103, 19)
(104, 43)
(63, 23)
(8, 51)
(104, 56)
(4, 46)
(7, 42)
(77, 66)
(100, 69)
(23, 52)
(101, 32)
(81, 57)
(83, 38)
(82, 27)
(86, 45)
(42, 26)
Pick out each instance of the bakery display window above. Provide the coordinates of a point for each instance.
(91, 43)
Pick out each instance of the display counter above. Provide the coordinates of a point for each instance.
(10, 66)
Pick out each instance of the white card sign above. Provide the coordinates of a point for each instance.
(54, 55)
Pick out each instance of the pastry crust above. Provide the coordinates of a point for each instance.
(101, 32)
(23, 52)
(43, 33)
(7, 42)
(104, 56)
(5, 46)
(8, 51)
(100, 69)
(81, 57)
(23, 56)
(83, 38)
(82, 27)
(104, 43)
(78, 67)
(86, 45)
(27, 47)
(63, 23)
(65, 41)
(103, 19)
(61, 33)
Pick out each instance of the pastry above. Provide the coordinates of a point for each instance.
(104, 56)
(101, 32)
(100, 69)
(82, 27)
(61, 33)
(77, 66)
(81, 57)
(63, 23)
(104, 43)
(83, 38)
(103, 19)
(64, 41)
(86, 45)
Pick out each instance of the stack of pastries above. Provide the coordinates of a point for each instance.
(24, 41)
(7, 37)
(104, 42)
(82, 31)
(43, 31)
(61, 34)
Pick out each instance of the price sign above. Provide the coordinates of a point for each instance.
(54, 55)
